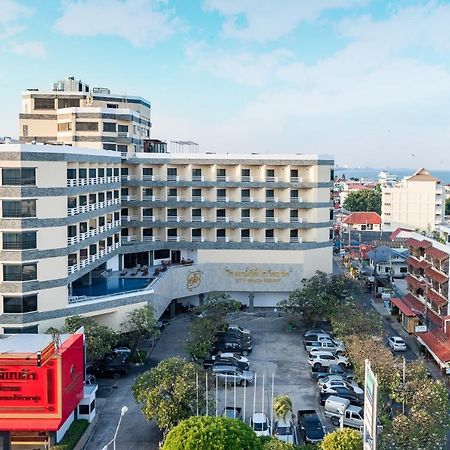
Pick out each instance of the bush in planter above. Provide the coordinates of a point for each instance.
(73, 435)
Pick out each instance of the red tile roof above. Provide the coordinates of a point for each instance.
(418, 244)
(396, 232)
(403, 307)
(436, 276)
(436, 298)
(414, 303)
(436, 254)
(363, 218)
(411, 281)
(438, 343)
(423, 264)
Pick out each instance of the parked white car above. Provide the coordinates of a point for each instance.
(397, 344)
(284, 430)
(327, 345)
(327, 359)
(238, 327)
(331, 384)
(240, 358)
(260, 424)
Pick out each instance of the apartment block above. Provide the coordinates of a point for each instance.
(74, 114)
(416, 202)
(425, 309)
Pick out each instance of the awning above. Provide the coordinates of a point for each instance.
(436, 298)
(436, 276)
(411, 281)
(414, 303)
(418, 244)
(403, 307)
(423, 264)
(436, 254)
(30, 424)
(438, 345)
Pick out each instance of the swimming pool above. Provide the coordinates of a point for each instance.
(111, 285)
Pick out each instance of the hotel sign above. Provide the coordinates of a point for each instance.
(256, 275)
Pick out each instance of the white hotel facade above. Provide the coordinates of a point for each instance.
(78, 214)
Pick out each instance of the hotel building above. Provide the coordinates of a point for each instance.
(85, 230)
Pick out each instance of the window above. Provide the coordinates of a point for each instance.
(92, 173)
(71, 174)
(44, 103)
(196, 173)
(221, 172)
(270, 173)
(83, 409)
(24, 130)
(270, 213)
(17, 305)
(147, 212)
(147, 171)
(220, 213)
(196, 212)
(331, 214)
(17, 272)
(122, 128)
(294, 233)
(109, 172)
(294, 194)
(172, 212)
(294, 213)
(331, 174)
(122, 148)
(111, 147)
(101, 172)
(172, 192)
(19, 241)
(245, 193)
(245, 213)
(27, 330)
(269, 233)
(110, 127)
(162, 254)
(245, 233)
(147, 192)
(172, 232)
(112, 105)
(245, 172)
(86, 126)
(18, 208)
(24, 176)
(220, 232)
(294, 173)
(66, 126)
(221, 192)
(196, 192)
(196, 232)
(403, 270)
(270, 194)
(68, 103)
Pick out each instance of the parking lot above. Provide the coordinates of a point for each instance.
(276, 350)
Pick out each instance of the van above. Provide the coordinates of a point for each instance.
(337, 407)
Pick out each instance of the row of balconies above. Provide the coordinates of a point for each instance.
(92, 207)
(92, 258)
(93, 232)
(196, 198)
(218, 178)
(92, 181)
(268, 240)
(206, 219)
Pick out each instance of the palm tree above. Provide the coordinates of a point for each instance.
(282, 406)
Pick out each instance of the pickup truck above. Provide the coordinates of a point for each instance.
(321, 372)
(309, 426)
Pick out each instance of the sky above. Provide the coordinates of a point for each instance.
(367, 81)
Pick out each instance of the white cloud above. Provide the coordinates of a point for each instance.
(11, 10)
(267, 20)
(141, 22)
(33, 49)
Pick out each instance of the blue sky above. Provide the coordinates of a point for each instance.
(367, 81)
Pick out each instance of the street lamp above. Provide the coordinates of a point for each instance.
(113, 440)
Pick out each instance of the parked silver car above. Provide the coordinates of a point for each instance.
(231, 374)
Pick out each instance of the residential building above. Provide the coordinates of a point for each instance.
(388, 262)
(425, 309)
(362, 221)
(417, 202)
(74, 114)
(385, 178)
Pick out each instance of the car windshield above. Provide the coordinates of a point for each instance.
(284, 431)
(260, 426)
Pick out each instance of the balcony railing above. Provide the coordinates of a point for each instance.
(247, 199)
(223, 199)
(149, 218)
(92, 207)
(271, 179)
(148, 198)
(198, 219)
(222, 178)
(246, 239)
(91, 181)
(272, 199)
(198, 198)
(125, 177)
(223, 219)
(173, 178)
(272, 240)
(246, 178)
(174, 198)
(173, 239)
(272, 219)
(92, 258)
(149, 239)
(297, 199)
(295, 240)
(198, 178)
(222, 239)
(296, 179)
(247, 219)
(174, 218)
(148, 178)
(296, 220)
(127, 198)
(198, 239)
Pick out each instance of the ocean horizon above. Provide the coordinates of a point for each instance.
(372, 173)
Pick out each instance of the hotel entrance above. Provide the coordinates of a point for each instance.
(29, 440)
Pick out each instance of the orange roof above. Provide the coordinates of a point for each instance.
(363, 218)
(403, 307)
(436, 298)
(418, 244)
(436, 276)
(423, 264)
(436, 254)
(396, 232)
(438, 343)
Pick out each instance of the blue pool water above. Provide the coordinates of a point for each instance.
(110, 285)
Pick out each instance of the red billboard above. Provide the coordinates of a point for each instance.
(31, 388)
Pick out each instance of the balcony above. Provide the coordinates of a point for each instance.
(148, 178)
(92, 258)
(173, 198)
(295, 240)
(246, 239)
(173, 178)
(247, 219)
(223, 199)
(149, 239)
(174, 218)
(222, 178)
(296, 220)
(296, 179)
(296, 199)
(127, 198)
(247, 199)
(173, 239)
(149, 218)
(198, 239)
(91, 181)
(272, 179)
(272, 199)
(92, 207)
(198, 219)
(222, 239)
(198, 178)
(246, 179)
(129, 239)
(272, 219)
(198, 198)
(148, 198)
(271, 240)
(222, 219)
(129, 218)
(125, 177)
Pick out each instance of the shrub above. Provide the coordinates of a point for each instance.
(73, 435)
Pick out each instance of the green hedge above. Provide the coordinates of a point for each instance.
(73, 435)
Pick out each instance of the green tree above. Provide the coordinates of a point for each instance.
(272, 443)
(139, 323)
(217, 305)
(345, 439)
(364, 200)
(168, 392)
(211, 433)
(352, 319)
(447, 207)
(320, 297)
(100, 339)
(282, 406)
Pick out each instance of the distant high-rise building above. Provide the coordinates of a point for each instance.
(416, 202)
